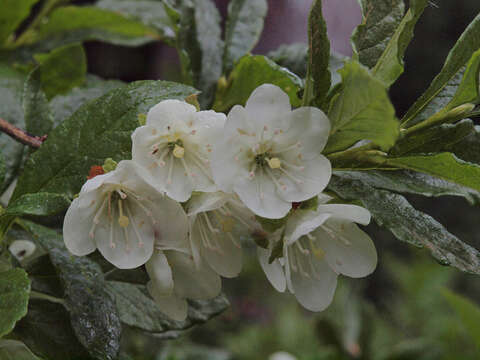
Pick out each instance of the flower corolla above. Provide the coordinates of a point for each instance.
(218, 222)
(121, 215)
(270, 155)
(317, 247)
(174, 147)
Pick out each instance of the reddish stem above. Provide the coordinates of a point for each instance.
(20, 135)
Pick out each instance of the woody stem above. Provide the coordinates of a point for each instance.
(20, 135)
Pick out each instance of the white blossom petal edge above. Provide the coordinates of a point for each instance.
(217, 222)
(118, 213)
(174, 147)
(270, 155)
(319, 245)
(175, 277)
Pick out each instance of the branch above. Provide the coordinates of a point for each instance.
(20, 135)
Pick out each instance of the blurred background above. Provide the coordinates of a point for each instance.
(402, 311)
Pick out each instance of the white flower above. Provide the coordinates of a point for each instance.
(174, 147)
(270, 155)
(319, 245)
(175, 277)
(22, 249)
(121, 215)
(218, 221)
(282, 355)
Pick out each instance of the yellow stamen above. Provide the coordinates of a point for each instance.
(122, 219)
(228, 224)
(178, 152)
(274, 163)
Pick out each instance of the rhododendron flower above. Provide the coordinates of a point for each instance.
(121, 215)
(270, 155)
(218, 221)
(174, 147)
(317, 246)
(175, 277)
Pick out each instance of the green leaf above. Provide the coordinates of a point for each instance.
(461, 89)
(11, 90)
(251, 72)
(467, 44)
(137, 309)
(150, 13)
(393, 212)
(38, 204)
(201, 46)
(271, 225)
(390, 65)
(243, 29)
(468, 312)
(380, 20)
(12, 14)
(14, 293)
(468, 89)
(361, 111)
(294, 57)
(97, 130)
(3, 169)
(64, 106)
(37, 112)
(62, 69)
(433, 139)
(444, 166)
(318, 56)
(337, 61)
(468, 149)
(46, 329)
(74, 24)
(410, 182)
(15, 350)
(92, 309)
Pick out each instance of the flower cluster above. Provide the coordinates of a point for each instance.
(200, 183)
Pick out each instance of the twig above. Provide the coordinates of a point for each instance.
(20, 135)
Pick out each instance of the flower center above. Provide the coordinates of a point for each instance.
(178, 151)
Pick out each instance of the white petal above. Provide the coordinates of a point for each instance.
(230, 151)
(76, 228)
(259, 195)
(221, 252)
(143, 138)
(206, 202)
(194, 244)
(160, 273)
(309, 182)
(351, 252)
(133, 245)
(171, 176)
(314, 292)
(268, 105)
(174, 307)
(131, 176)
(180, 188)
(273, 271)
(190, 281)
(168, 112)
(303, 222)
(171, 226)
(201, 175)
(208, 124)
(311, 127)
(347, 212)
